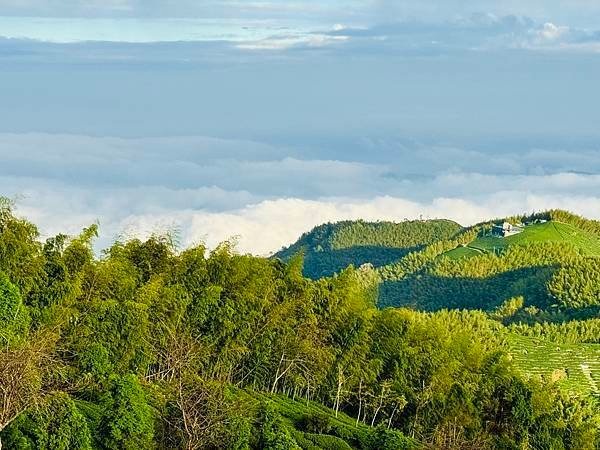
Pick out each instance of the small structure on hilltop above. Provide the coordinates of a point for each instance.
(506, 229)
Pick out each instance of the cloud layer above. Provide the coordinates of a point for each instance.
(211, 190)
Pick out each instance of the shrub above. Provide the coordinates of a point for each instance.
(316, 422)
(385, 439)
(127, 421)
(56, 425)
(274, 433)
(329, 442)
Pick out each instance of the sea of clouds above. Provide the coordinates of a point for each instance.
(209, 190)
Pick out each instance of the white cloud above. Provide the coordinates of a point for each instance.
(551, 32)
(291, 41)
(266, 227)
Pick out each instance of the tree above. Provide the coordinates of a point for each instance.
(20, 251)
(127, 421)
(22, 369)
(205, 412)
(14, 318)
(55, 424)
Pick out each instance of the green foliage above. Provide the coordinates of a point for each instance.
(577, 284)
(539, 413)
(488, 280)
(330, 248)
(304, 443)
(14, 319)
(387, 234)
(274, 435)
(317, 422)
(161, 348)
(94, 360)
(514, 258)
(127, 420)
(149, 257)
(57, 424)
(111, 334)
(571, 332)
(508, 309)
(417, 260)
(327, 441)
(20, 252)
(239, 434)
(386, 439)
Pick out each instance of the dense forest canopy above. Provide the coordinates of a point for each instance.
(151, 346)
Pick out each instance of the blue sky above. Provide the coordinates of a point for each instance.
(263, 119)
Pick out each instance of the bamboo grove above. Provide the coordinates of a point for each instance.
(150, 346)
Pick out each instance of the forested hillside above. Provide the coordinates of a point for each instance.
(552, 265)
(151, 346)
(543, 282)
(331, 247)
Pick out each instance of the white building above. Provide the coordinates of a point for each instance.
(506, 229)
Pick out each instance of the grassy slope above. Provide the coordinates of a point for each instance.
(577, 366)
(544, 232)
(431, 292)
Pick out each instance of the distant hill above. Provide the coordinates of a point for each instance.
(429, 265)
(332, 247)
(542, 283)
(552, 264)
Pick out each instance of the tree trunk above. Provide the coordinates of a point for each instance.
(359, 402)
(378, 408)
(277, 374)
(392, 417)
(339, 391)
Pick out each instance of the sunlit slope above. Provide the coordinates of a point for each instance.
(552, 231)
(484, 271)
(575, 366)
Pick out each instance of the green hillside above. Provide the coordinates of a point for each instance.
(332, 247)
(553, 265)
(315, 427)
(437, 264)
(587, 242)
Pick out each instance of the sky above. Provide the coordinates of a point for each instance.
(259, 120)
